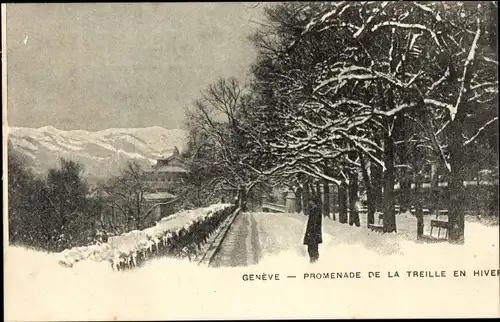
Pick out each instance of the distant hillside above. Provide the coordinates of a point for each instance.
(103, 153)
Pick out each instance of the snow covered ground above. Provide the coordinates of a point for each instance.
(38, 288)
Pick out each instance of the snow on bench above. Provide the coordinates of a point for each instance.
(126, 247)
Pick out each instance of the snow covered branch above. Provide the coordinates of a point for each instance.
(408, 26)
(481, 129)
(466, 72)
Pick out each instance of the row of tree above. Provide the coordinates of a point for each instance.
(61, 210)
(361, 94)
(52, 212)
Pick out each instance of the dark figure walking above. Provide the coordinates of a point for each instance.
(313, 236)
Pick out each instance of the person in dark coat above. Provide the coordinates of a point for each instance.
(313, 236)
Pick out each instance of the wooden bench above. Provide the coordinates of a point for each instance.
(443, 212)
(440, 224)
(377, 228)
(381, 215)
(380, 223)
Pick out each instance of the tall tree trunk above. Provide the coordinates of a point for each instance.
(493, 203)
(312, 191)
(376, 180)
(404, 193)
(298, 198)
(389, 213)
(305, 199)
(434, 188)
(419, 211)
(326, 192)
(389, 174)
(113, 220)
(343, 202)
(455, 182)
(333, 202)
(326, 199)
(456, 212)
(138, 221)
(318, 195)
(480, 200)
(353, 199)
(243, 199)
(370, 192)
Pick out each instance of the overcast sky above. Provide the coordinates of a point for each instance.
(96, 66)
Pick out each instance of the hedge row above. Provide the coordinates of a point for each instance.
(178, 235)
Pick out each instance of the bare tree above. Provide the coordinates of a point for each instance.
(227, 141)
(126, 193)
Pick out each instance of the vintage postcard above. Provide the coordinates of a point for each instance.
(250, 160)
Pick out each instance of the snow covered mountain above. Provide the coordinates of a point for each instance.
(103, 153)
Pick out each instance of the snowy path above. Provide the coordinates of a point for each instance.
(239, 247)
(254, 235)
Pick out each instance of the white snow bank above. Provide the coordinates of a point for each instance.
(125, 247)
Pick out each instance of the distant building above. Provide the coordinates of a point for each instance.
(167, 172)
(158, 200)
